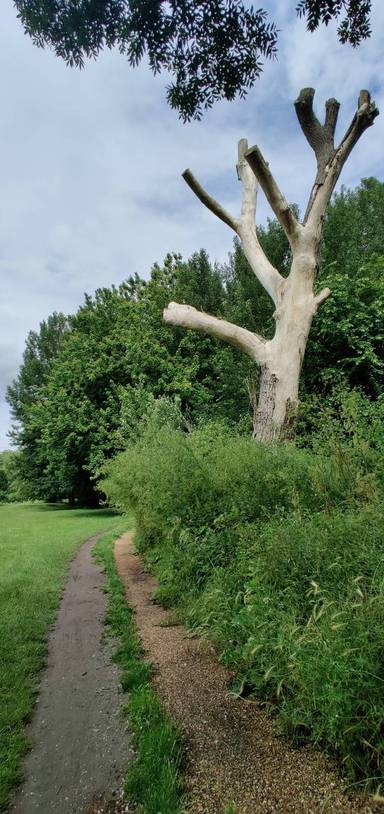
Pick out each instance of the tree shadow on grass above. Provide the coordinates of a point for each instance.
(83, 511)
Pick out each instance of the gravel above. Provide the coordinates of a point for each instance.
(232, 751)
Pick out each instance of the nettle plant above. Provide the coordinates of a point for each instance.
(295, 299)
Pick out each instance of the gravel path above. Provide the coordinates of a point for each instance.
(79, 742)
(232, 751)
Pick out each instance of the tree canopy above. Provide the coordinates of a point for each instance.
(86, 381)
(212, 49)
(355, 17)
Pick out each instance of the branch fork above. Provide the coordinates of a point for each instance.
(280, 359)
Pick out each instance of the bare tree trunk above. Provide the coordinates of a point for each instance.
(280, 359)
(276, 411)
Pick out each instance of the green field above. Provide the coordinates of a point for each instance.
(36, 544)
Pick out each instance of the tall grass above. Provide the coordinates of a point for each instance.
(276, 553)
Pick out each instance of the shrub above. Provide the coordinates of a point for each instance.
(276, 553)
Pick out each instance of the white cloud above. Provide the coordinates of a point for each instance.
(91, 161)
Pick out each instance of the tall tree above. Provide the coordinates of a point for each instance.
(41, 348)
(280, 358)
(116, 345)
(27, 391)
(211, 48)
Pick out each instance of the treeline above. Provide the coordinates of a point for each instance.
(87, 379)
(275, 552)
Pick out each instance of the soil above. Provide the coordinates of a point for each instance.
(233, 752)
(80, 746)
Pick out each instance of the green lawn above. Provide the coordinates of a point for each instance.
(36, 544)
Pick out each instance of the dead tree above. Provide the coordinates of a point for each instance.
(295, 300)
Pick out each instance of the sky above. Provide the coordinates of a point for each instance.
(91, 161)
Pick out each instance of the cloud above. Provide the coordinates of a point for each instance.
(91, 161)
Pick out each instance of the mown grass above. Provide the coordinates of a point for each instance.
(153, 783)
(36, 544)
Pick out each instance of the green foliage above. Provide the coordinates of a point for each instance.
(89, 384)
(354, 227)
(210, 48)
(117, 358)
(354, 27)
(139, 407)
(345, 415)
(347, 338)
(153, 782)
(277, 554)
(3, 484)
(12, 486)
(299, 614)
(26, 396)
(40, 351)
(37, 543)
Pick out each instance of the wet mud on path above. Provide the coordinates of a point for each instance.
(80, 745)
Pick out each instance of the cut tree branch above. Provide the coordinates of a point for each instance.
(244, 226)
(210, 202)
(322, 295)
(320, 137)
(321, 193)
(332, 107)
(188, 317)
(268, 276)
(277, 202)
(309, 123)
(363, 118)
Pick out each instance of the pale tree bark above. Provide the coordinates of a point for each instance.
(280, 359)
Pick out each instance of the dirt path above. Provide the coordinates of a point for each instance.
(79, 741)
(233, 753)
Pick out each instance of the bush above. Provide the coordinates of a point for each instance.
(276, 553)
(299, 613)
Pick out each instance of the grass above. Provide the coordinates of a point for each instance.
(153, 783)
(37, 543)
(277, 555)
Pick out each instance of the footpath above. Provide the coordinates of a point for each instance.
(233, 754)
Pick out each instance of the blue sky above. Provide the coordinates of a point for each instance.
(90, 164)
